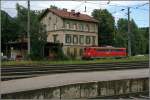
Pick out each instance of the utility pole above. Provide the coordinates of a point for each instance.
(129, 33)
(85, 6)
(28, 27)
(108, 2)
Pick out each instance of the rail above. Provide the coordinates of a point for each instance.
(25, 71)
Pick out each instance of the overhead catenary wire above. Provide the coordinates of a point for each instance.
(79, 5)
(87, 8)
(112, 4)
(142, 5)
(117, 5)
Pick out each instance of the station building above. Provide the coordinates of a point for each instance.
(72, 29)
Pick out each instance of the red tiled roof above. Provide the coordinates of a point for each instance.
(71, 15)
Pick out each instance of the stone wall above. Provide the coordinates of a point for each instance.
(85, 90)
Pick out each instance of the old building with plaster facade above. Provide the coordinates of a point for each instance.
(73, 29)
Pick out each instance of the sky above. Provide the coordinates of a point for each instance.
(140, 14)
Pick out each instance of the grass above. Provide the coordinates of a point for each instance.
(106, 60)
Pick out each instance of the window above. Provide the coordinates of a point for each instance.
(93, 40)
(49, 22)
(87, 27)
(74, 26)
(81, 27)
(49, 18)
(44, 25)
(55, 27)
(88, 40)
(95, 28)
(68, 38)
(81, 52)
(75, 39)
(77, 26)
(67, 25)
(71, 25)
(56, 19)
(55, 38)
(81, 39)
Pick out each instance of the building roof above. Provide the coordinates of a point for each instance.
(63, 13)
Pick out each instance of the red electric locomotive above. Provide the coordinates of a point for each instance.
(103, 52)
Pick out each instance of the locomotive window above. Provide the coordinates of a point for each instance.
(117, 50)
(124, 50)
(111, 49)
(102, 50)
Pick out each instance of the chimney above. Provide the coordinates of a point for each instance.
(64, 9)
(78, 14)
(73, 11)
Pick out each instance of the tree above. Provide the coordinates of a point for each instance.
(106, 26)
(121, 33)
(145, 33)
(9, 30)
(54, 7)
(38, 35)
(138, 44)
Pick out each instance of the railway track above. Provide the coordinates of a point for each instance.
(25, 71)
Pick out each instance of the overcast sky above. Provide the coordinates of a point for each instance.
(140, 15)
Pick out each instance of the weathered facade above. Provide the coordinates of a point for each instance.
(74, 30)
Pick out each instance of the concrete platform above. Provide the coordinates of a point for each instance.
(56, 80)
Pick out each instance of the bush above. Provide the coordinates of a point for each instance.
(34, 56)
(61, 55)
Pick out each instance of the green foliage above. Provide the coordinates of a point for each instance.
(109, 34)
(121, 36)
(144, 32)
(128, 59)
(60, 54)
(9, 29)
(139, 43)
(53, 6)
(106, 26)
(37, 31)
